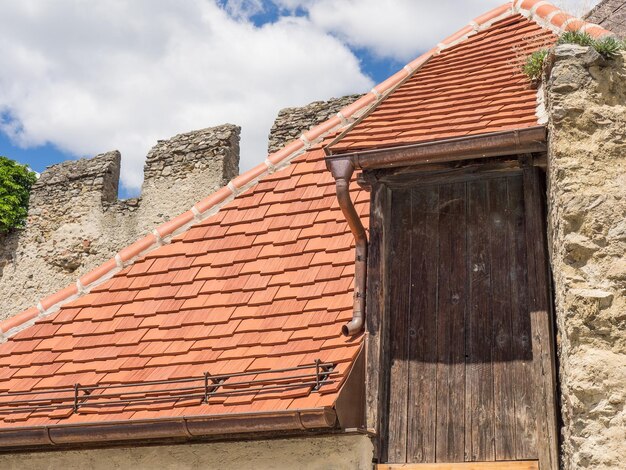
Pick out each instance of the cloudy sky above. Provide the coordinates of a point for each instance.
(81, 77)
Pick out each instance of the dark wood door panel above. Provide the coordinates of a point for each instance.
(462, 374)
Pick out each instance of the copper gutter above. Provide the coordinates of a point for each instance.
(495, 144)
(183, 428)
(342, 166)
(342, 170)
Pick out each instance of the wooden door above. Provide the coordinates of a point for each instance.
(470, 341)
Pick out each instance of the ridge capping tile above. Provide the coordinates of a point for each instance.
(536, 6)
(321, 129)
(135, 249)
(305, 141)
(95, 274)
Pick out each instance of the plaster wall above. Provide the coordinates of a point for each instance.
(586, 98)
(338, 452)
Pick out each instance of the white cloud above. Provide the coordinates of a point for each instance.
(400, 29)
(92, 76)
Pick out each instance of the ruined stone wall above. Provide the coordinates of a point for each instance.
(336, 452)
(291, 122)
(610, 14)
(586, 98)
(75, 221)
(189, 166)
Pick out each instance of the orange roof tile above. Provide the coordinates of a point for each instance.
(166, 318)
(470, 84)
(472, 88)
(259, 275)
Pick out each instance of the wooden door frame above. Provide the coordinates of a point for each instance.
(502, 465)
(377, 340)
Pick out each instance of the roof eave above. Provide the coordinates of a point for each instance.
(185, 428)
(494, 144)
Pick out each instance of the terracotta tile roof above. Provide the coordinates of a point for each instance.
(256, 277)
(266, 283)
(469, 85)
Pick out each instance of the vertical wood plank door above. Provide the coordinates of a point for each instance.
(464, 380)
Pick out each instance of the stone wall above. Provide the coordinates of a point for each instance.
(610, 14)
(75, 221)
(291, 122)
(189, 166)
(586, 98)
(336, 452)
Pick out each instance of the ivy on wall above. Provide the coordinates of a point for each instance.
(15, 183)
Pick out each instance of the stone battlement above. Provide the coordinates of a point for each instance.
(291, 122)
(76, 222)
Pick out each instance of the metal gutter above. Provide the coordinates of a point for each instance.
(495, 144)
(342, 170)
(183, 428)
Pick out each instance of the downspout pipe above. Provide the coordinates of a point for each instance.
(342, 170)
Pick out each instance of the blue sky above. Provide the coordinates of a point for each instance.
(79, 78)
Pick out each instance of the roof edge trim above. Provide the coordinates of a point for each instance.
(185, 428)
(516, 141)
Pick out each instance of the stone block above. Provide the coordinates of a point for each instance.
(292, 122)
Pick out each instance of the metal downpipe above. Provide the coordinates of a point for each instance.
(342, 170)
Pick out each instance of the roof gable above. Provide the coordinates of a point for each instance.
(264, 284)
(474, 87)
(254, 278)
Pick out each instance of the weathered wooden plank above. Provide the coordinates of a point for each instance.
(484, 376)
(512, 465)
(376, 268)
(521, 368)
(451, 325)
(399, 291)
(504, 407)
(541, 319)
(398, 178)
(479, 407)
(422, 327)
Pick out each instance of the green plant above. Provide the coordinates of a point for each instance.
(15, 183)
(576, 37)
(609, 47)
(533, 68)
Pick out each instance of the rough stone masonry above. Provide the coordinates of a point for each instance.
(75, 221)
(586, 98)
(291, 122)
